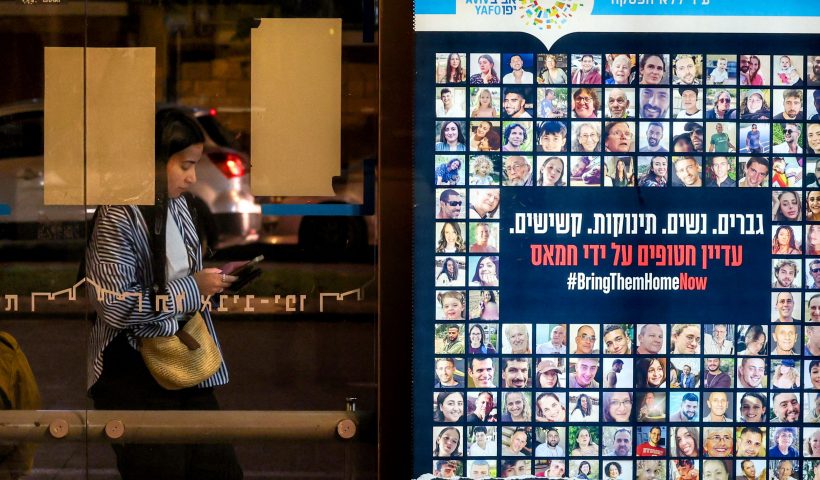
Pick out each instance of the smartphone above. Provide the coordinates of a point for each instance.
(237, 269)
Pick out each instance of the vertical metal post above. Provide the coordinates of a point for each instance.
(350, 456)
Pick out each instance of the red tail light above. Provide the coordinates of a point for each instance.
(230, 164)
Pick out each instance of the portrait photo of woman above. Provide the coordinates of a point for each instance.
(586, 103)
(650, 373)
(450, 272)
(484, 305)
(484, 64)
(585, 407)
(451, 136)
(517, 338)
(617, 407)
(516, 407)
(787, 239)
(754, 105)
(651, 407)
(549, 72)
(449, 407)
(450, 237)
(485, 271)
(586, 137)
(447, 442)
(786, 206)
(582, 441)
(478, 342)
(550, 407)
(686, 442)
(484, 136)
(450, 68)
(449, 170)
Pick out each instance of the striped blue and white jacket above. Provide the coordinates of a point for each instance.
(118, 264)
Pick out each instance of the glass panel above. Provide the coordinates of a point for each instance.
(300, 337)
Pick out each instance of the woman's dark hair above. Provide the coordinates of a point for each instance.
(444, 126)
(175, 131)
(450, 276)
(440, 398)
(481, 330)
(610, 465)
(493, 258)
(578, 406)
(456, 73)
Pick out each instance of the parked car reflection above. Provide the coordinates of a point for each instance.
(227, 212)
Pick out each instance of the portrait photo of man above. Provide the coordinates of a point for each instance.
(786, 274)
(686, 69)
(756, 172)
(651, 339)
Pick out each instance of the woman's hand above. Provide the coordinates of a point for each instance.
(489, 279)
(212, 281)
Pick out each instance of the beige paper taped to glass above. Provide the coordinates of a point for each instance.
(296, 106)
(119, 126)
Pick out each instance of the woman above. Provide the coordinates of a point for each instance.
(490, 143)
(783, 242)
(447, 443)
(621, 178)
(517, 408)
(617, 407)
(715, 470)
(487, 74)
(477, 344)
(450, 138)
(449, 407)
(673, 377)
(811, 445)
(482, 240)
(813, 240)
(584, 469)
(722, 108)
(551, 74)
(613, 471)
(650, 411)
(452, 304)
(486, 204)
(515, 136)
(548, 374)
(484, 407)
(587, 138)
(480, 134)
(551, 173)
(785, 376)
(448, 275)
(650, 373)
(813, 207)
(584, 446)
(813, 139)
(549, 408)
(686, 442)
(518, 338)
(755, 341)
(752, 75)
(486, 272)
(125, 256)
(754, 107)
(753, 407)
(787, 207)
(447, 173)
(455, 71)
(486, 303)
(813, 415)
(656, 176)
(585, 103)
(450, 239)
(620, 70)
(582, 410)
(485, 107)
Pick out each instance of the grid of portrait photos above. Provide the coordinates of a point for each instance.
(712, 399)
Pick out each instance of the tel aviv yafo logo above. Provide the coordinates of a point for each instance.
(548, 14)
